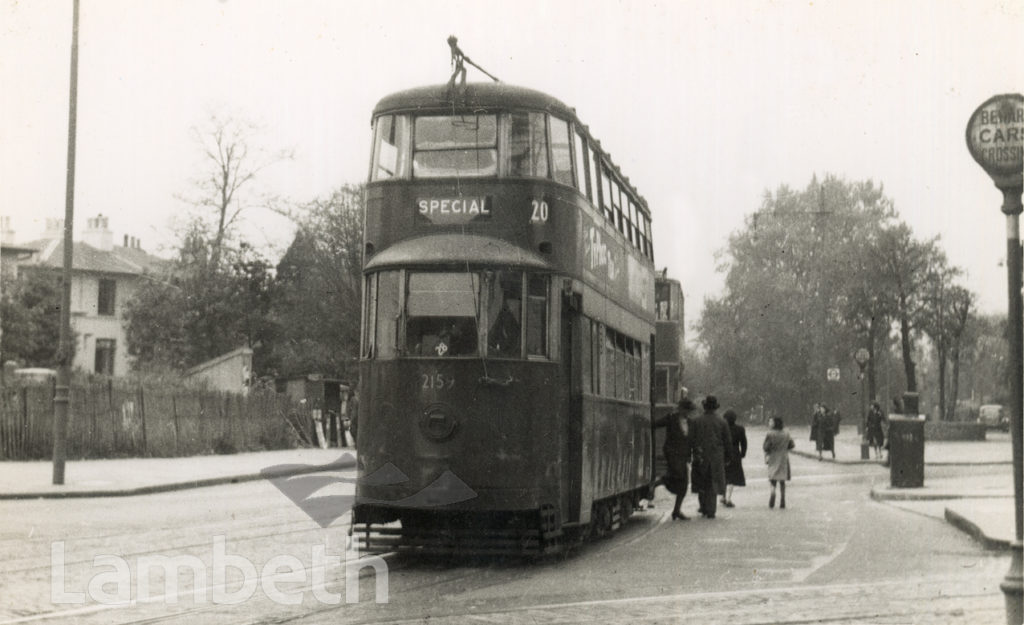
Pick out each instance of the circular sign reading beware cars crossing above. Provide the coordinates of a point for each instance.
(995, 138)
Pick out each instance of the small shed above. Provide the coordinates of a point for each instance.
(228, 372)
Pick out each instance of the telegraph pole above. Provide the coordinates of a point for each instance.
(995, 138)
(62, 394)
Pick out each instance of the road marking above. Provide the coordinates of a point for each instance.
(800, 575)
(723, 594)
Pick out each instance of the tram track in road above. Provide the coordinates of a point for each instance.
(929, 601)
(172, 547)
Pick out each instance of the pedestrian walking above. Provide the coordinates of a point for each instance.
(677, 453)
(352, 412)
(777, 444)
(822, 432)
(734, 461)
(709, 438)
(876, 429)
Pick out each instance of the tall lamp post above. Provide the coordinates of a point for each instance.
(62, 393)
(862, 357)
(995, 141)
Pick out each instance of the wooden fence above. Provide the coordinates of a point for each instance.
(113, 419)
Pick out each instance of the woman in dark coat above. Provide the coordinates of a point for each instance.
(821, 431)
(677, 454)
(709, 437)
(875, 430)
(734, 462)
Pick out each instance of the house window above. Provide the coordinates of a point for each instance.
(105, 356)
(107, 295)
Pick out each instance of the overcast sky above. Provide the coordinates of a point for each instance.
(704, 105)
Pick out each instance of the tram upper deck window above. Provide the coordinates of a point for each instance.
(593, 168)
(390, 147)
(446, 146)
(581, 158)
(528, 148)
(441, 314)
(561, 157)
(606, 196)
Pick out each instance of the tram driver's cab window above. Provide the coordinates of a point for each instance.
(441, 314)
(505, 314)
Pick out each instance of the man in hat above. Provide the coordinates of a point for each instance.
(711, 441)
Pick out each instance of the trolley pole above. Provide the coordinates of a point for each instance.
(995, 140)
(62, 393)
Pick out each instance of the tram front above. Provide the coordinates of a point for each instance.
(463, 397)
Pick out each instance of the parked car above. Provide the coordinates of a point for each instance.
(35, 375)
(994, 416)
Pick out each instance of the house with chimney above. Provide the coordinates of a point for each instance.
(104, 276)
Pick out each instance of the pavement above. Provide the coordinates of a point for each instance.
(967, 483)
(123, 477)
(964, 481)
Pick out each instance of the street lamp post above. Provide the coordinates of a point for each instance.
(862, 357)
(996, 143)
(62, 392)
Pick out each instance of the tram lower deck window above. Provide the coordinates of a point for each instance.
(493, 313)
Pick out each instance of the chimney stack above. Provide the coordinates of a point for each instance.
(54, 229)
(6, 231)
(98, 234)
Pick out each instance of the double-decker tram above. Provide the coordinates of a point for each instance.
(508, 318)
(669, 341)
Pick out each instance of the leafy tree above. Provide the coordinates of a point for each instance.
(984, 353)
(804, 289)
(30, 314)
(907, 262)
(320, 287)
(944, 316)
(196, 313)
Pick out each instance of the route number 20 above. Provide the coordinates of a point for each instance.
(540, 212)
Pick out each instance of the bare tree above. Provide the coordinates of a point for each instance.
(223, 191)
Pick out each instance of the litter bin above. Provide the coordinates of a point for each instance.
(906, 452)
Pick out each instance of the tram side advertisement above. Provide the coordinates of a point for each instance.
(605, 262)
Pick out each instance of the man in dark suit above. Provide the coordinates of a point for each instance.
(711, 441)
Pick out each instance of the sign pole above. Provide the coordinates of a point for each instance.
(995, 138)
(1013, 585)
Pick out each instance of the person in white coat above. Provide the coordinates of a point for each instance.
(777, 444)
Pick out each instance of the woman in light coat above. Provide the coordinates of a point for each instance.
(777, 444)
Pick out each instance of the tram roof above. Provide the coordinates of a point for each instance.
(441, 249)
(477, 95)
